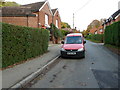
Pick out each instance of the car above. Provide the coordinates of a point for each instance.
(73, 46)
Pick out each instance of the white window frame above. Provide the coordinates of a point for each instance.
(46, 19)
(95, 32)
(101, 30)
(57, 23)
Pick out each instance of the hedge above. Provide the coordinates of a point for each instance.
(96, 37)
(112, 34)
(21, 43)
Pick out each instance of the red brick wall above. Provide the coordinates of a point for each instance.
(33, 22)
(45, 10)
(57, 17)
(97, 29)
(22, 21)
(93, 30)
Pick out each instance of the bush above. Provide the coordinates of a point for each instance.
(64, 33)
(96, 37)
(112, 34)
(56, 31)
(20, 43)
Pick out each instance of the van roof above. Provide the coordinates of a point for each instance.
(74, 34)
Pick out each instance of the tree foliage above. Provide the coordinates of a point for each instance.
(94, 23)
(8, 3)
(21, 43)
(112, 34)
(56, 32)
(65, 25)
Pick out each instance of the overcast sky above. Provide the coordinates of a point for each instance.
(85, 10)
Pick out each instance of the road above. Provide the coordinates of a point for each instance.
(99, 69)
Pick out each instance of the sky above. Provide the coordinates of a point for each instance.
(85, 11)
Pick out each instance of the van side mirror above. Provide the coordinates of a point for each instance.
(84, 42)
(62, 42)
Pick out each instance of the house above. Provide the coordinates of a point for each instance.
(56, 18)
(37, 15)
(93, 30)
(115, 17)
(98, 30)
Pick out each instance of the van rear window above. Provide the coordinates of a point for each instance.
(73, 40)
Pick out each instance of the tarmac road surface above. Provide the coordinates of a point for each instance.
(99, 69)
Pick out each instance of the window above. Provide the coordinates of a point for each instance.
(95, 32)
(101, 30)
(57, 23)
(73, 40)
(46, 19)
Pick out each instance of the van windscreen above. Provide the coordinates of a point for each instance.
(73, 40)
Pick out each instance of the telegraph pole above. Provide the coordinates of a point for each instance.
(73, 20)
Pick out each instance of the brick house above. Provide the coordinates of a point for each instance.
(37, 15)
(56, 18)
(93, 30)
(98, 30)
(115, 17)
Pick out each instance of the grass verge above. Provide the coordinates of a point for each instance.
(93, 40)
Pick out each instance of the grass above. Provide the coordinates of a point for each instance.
(93, 40)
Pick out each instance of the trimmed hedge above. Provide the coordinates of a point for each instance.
(112, 34)
(21, 43)
(96, 37)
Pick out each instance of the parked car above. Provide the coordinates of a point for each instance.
(73, 46)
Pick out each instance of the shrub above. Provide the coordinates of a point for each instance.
(20, 43)
(112, 34)
(64, 33)
(56, 31)
(96, 37)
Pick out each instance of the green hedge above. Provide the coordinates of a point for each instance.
(112, 34)
(96, 37)
(20, 43)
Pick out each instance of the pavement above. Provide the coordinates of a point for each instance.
(12, 76)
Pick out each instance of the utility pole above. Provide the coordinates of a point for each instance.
(73, 20)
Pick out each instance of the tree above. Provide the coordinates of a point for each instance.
(65, 25)
(8, 3)
(94, 23)
(56, 33)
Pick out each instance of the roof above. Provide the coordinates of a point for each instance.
(54, 11)
(74, 34)
(115, 14)
(112, 17)
(17, 11)
(34, 6)
(24, 10)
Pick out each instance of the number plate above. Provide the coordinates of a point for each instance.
(71, 53)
